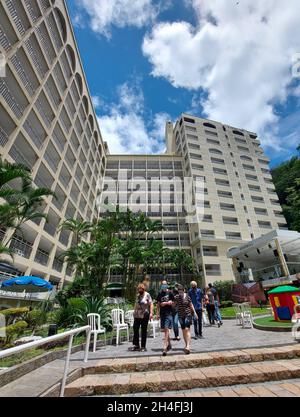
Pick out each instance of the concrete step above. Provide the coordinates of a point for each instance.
(199, 360)
(184, 379)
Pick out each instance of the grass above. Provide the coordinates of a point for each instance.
(270, 322)
(229, 311)
(32, 353)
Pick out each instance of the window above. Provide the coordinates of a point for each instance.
(238, 140)
(249, 167)
(226, 194)
(251, 177)
(191, 128)
(194, 146)
(208, 234)
(246, 158)
(208, 132)
(193, 137)
(209, 125)
(233, 235)
(230, 220)
(222, 182)
(257, 199)
(225, 206)
(264, 225)
(210, 250)
(243, 149)
(220, 171)
(195, 156)
(215, 151)
(213, 142)
(217, 161)
(187, 119)
(254, 187)
(260, 211)
(213, 269)
(207, 218)
(197, 167)
(237, 132)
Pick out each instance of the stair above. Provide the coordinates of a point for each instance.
(150, 374)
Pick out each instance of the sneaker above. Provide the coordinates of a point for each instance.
(143, 350)
(196, 337)
(134, 348)
(200, 337)
(219, 324)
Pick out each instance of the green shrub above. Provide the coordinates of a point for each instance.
(35, 318)
(224, 289)
(11, 314)
(13, 331)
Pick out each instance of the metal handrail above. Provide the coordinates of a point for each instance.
(70, 334)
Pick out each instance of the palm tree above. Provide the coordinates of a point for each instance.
(79, 228)
(23, 206)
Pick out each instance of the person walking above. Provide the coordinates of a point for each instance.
(185, 312)
(210, 305)
(143, 312)
(218, 316)
(175, 315)
(165, 301)
(196, 296)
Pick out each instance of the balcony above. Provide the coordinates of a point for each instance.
(23, 75)
(46, 43)
(33, 9)
(16, 17)
(57, 265)
(50, 229)
(42, 257)
(10, 99)
(21, 247)
(54, 32)
(47, 118)
(36, 56)
(4, 41)
(34, 136)
(3, 137)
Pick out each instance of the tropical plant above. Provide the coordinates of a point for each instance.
(35, 318)
(224, 289)
(79, 228)
(286, 179)
(74, 314)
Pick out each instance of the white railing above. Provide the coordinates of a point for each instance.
(70, 334)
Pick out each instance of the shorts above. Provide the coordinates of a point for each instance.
(166, 321)
(185, 322)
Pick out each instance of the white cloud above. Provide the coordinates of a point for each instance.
(240, 55)
(128, 128)
(120, 13)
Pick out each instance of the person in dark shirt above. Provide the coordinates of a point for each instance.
(185, 312)
(175, 315)
(217, 313)
(165, 301)
(196, 296)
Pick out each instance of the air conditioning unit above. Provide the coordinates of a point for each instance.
(19, 252)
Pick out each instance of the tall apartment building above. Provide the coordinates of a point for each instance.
(237, 193)
(47, 122)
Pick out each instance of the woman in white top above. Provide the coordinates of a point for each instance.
(143, 312)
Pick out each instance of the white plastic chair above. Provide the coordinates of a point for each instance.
(247, 318)
(94, 322)
(205, 321)
(129, 317)
(238, 314)
(155, 325)
(117, 316)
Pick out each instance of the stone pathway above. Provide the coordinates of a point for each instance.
(227, 337)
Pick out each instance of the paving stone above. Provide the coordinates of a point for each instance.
(244, 392)
(294, 389)
(227, 392)
(262, 391)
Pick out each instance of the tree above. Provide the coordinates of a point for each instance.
(182, 261)
(79, 228)
(286, 177)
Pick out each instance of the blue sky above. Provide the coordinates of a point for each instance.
(148, 61)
